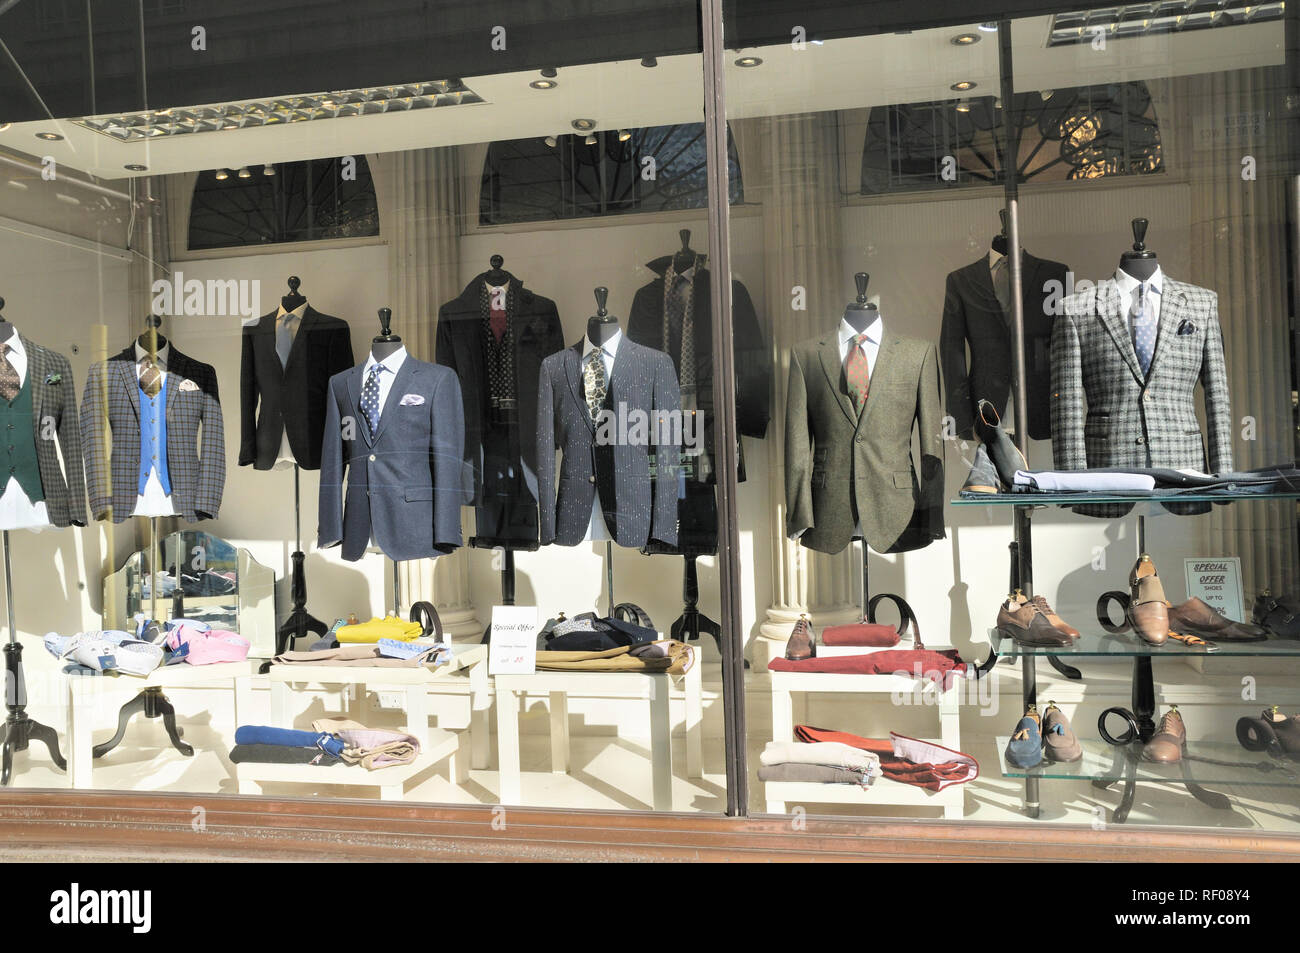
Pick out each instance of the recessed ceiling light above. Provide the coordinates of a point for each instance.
(965, 39)
(543, 84)
(135, 167)
(222, 175)
(748, 62)
(649, 62)
(962, 86)
(49, 136)
(963, 106)
(584, 125)
(550, 141)
(268, 169)
(989, 27)
(244, 173)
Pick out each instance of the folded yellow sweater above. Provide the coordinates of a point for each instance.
(390, 627)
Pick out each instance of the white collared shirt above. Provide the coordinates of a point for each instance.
(875, 331)
(153, 501)
(1128, 288)
(392, 364)
(294, 318)
(164, 353)
(16, 510)
(597, 531)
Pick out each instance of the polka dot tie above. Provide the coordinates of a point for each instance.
(370, 399)
(856, 372)
(10, 385)
(1144, 330)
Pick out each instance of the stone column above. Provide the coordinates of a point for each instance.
(420, 192)
(790, 168)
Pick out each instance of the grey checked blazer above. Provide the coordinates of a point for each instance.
(403, 486)
(54, 397)
(110, 436)
(1104, 414)
(637, 504)
(841, 466)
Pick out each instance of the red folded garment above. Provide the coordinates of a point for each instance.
(864, 634)
(903, 759)
(920, 663)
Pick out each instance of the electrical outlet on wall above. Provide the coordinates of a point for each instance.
(388, 701)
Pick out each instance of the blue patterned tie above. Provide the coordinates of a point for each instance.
(370, 399)
(1144, 331)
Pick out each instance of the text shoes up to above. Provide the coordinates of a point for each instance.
(1148, 612)
(1027, 624)
(1025, 748)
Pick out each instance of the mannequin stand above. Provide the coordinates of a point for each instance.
(609, 574)
(152, 702)
(692, 622)
(397, 589)
(19, 730)
(507, 587)
(300, 622)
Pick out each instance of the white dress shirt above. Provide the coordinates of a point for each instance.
(1128, 294)
(17, 511)
(285, 459)
(392, 364)
(154, 502)
(597, 531)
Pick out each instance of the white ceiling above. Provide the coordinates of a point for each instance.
(839, 74)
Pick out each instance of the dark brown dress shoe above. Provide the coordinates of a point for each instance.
(802, 643)
(1057, 622)
(1148, 612)
(1166, 745)
(1195, 617)
(1287, 730)
(1026, 624)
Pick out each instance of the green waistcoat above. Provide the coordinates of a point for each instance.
(18, 444)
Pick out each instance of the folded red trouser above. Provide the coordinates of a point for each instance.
(907, 760)
(919, 663)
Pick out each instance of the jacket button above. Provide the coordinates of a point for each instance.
(372, 458)
(591, 479)
(1141, 440)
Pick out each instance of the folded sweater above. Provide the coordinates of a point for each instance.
(389, 627)
(919, 663)
(831, 753)
(816, 773)
(903, 759)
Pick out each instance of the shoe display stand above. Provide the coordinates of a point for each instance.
(790, 691)
(1123, 751)
(465, 673)
(655, 688)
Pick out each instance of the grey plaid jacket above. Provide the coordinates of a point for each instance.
(110, 434)
(54, 399)
(1104, 414)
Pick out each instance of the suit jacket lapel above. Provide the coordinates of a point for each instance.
(354, 396)
(299, 345)
(126, 371)
(572, 375)
(1110, 309)
(395, 394)
(878, 373)
(829, 350)
(1172, 312)
(981, 279)
(178, 369)
(36, 371)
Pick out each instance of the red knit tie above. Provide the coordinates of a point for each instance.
(857, 373)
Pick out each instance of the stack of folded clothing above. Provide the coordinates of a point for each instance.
(666, 655)
(939, 666)
(389, 627)
(264, 744)
(199, 644)
(586, 633)
(903, 759)
(825, 762)
(107, 650)
(383, 654)
(372, 748)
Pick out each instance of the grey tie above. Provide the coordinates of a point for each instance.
(1144, 330)
(1002, 286)
(284, 337)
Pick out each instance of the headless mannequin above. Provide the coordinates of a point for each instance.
(386, 343)
(7, 330)
(686, 257)
(23, 514)
(1139, 262)
(602, 325)
(497, 276)
(861, 313)
(293, 300)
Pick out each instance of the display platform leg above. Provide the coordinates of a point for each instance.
(153, 704)
(300, 623)
(693, 623)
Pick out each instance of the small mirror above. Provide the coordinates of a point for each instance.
(202, 577)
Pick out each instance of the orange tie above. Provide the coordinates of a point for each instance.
(857, 373)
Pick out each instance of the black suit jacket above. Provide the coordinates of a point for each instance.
(645, 325)
(460, 347)
(973, 316)
(273, 399)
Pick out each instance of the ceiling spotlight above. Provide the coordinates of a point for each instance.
(549, 72)
(222, 175)
(748, 62)
(135, 167)
(965, 39)
(962, 86)
(550, 141)
(543, 84)
(49, 136)
(649, 62)
(591, 139)
(989, 27)
(1046, 94)
(997, 103)
(244, 173)
(584, 125)
(963, 105)
(268, 169)
(4, 126)
(624, 135)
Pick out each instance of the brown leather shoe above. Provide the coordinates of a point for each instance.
(1148, 612)
(1026, 624)
(802, 643)
(1195, 617)
(1059, 741)
(1166, 745)
(1286, 729)
(1057, 622)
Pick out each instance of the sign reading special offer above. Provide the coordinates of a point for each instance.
(1216, 580)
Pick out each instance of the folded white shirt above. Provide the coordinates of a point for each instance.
(832, 753)
(1073, 481)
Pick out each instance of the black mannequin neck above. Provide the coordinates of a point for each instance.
(7, 330)
(497, 277)
(683, 261)
(600, 330)
(292, 302)
(859, 319)
(381, 349)
(1141, 267)
(143, 341)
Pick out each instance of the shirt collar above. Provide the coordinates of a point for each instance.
(15, 345)
(610, 347)
(392, 363)
(848, 332)
(1128, 284)
(297, 312)
(164, 353)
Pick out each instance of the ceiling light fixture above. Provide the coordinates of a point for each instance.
(543, 84)
(222, 175)
(268, 169)
(965, 39)
(624, 135)
(989, 27)
(49, 136)
(749, 62)
(963, 86)
(244, 173)
(371, 101)
(963, 105)
(583, 125)
(551, 141)
(135, 167)
(4, 126)
(591, 139)
(549, 72)
(1146, 19)
(649, 62)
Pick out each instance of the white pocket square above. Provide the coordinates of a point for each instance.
(412, 400)
(188, 384)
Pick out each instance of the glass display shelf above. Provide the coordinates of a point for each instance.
(1104, 762)
(1130, 646)
(1153, 496)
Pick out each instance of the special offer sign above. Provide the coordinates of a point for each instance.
(1216, 580)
